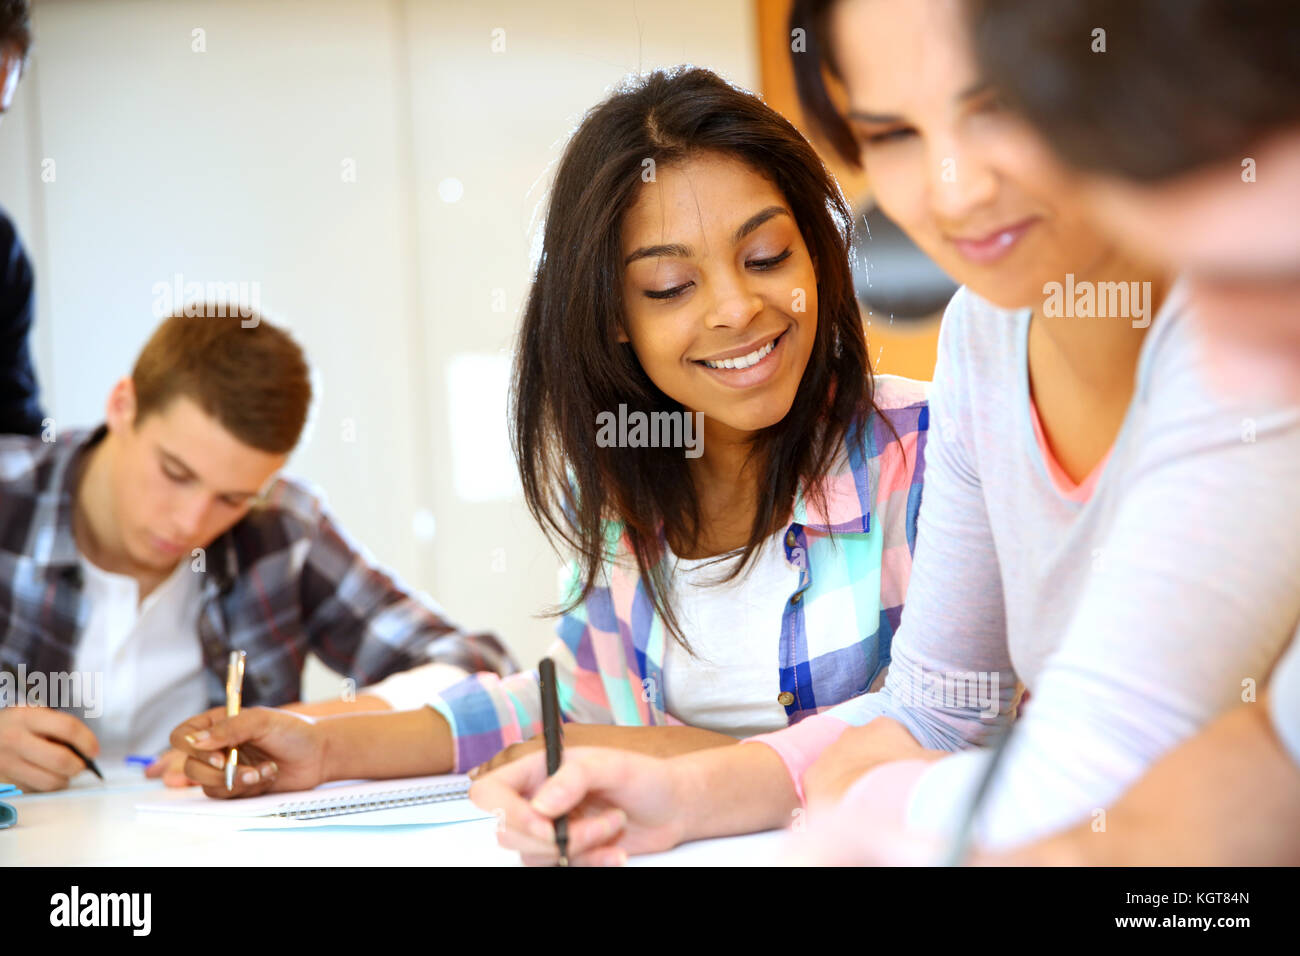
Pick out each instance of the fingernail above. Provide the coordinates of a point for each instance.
(542, 803)
(217, 760)
(270, 770)
(249, 776)
(618, 820)
(197, 737)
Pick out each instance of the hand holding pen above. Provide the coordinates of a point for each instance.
(234, 693)
(554, 745)
(44, 749)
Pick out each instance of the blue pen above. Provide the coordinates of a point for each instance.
(138, 760)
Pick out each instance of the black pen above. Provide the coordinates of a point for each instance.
(90, 764)
(554, 745)
(959, 849)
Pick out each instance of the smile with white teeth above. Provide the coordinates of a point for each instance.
(744, 361)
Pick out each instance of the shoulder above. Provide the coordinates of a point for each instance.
(1173, 355)
(28, 462)
(974, 331)
(23, 459)
(27, 467)
(292, 510)
(33, 477)
(1179, 395)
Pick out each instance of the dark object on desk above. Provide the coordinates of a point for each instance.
(20, 407)
(90, 764)
(554, 745)
(959, 849)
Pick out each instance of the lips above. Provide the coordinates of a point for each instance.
(747, 355)
(165, 546)
(995, 245)
(768, 361)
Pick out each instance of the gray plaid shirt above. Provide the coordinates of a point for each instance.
(283, 581)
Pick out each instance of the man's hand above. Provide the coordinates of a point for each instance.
(278, 751)
(32, 755)
(617, 803)
(857, 751)
(171, 767)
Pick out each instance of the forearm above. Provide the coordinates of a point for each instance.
(724, 792)
(1229, 796)
(653, 741)
(366, 703)
(408, 743)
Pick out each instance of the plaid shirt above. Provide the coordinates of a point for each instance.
(284, 580)
(836, 627)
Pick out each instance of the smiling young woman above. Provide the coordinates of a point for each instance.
(695, 261)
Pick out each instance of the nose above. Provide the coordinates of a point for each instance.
(734, 303)
(189, 517)
(960, 183)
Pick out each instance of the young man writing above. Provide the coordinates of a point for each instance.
(134, 558)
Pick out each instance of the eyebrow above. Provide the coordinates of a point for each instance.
(677, 250)
(884, 119)
(175, 462)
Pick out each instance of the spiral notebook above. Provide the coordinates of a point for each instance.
(409, 801)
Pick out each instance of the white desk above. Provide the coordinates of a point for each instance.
(96, 825)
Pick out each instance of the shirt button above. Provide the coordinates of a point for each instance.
(785, 698)
(790, 539)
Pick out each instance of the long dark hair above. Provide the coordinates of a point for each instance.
(570, 366)
(811, 65)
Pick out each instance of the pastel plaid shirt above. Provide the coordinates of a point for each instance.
(283, 581)
(836, 627)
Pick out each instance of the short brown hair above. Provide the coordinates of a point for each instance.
(244, 372)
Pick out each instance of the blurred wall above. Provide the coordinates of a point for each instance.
(371, 171)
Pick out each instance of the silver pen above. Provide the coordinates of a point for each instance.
(234, 691)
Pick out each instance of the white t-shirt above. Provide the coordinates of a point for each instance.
(144, 658)
(732, 684)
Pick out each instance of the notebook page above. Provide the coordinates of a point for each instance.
(341, 794)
